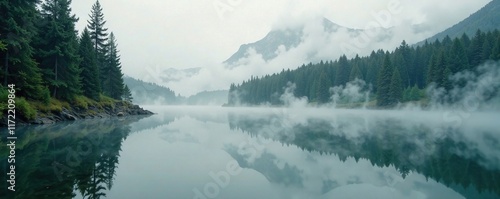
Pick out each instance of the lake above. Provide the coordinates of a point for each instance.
(265, 153)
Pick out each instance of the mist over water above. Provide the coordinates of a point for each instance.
(279, 152)
(443, 147)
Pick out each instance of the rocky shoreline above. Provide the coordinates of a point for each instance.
(120, 109)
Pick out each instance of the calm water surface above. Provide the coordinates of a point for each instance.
(264, 153)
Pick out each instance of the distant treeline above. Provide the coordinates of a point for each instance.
(394, 76)
(150, 93)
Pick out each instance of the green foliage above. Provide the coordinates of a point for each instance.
(384, 83)
(355, 73)
(495, 54)
(476, 48)
(113, 77)
(54, 105)
(323, 92)
(25, 108)
(412, 94)
(99, 37)
(127, 94)
(416, 94)
(90, 72)
(458, 57)
(58, 49)
(145, 92)
(3, 47)
(17, 31)
(396, 88)
(4, 97)
(82, 102)
(343, 71)
(105, 101)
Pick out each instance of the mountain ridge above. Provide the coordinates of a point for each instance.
(485, 19)
(270, 44)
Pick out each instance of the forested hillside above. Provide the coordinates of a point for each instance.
(485, 19)
(50, 63)
(150, 93)
(395, 76)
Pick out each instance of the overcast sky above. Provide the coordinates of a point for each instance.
(158, 34)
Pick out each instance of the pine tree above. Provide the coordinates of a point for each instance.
(396, 88)
(323, 92)
(113, 82)
(343, 71)
(58, 54)
(420, 67)
(458, 57)
(90, 73)
(373, 70)
(17, 31)
(446, 83)
(441, 64)
(431, 72)
(127, 94)
(415, 93)
(489, 41)
(436, 68)
(384, 82)
(355, 73)
(99, 38)
(495, 53)
(476, 49)
(403, 53)
(465, 40)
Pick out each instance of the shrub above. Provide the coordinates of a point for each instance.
(82, 102)
(53, 106)
(106, 101)
(25, 108)
(4, 96)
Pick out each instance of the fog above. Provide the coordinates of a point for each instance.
(183, 35)
(313, 152)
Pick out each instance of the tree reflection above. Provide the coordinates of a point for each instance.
(385, 142)
(61, 160)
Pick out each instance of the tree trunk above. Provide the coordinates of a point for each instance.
(55, 78)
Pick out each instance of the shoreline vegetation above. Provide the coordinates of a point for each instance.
(34, 112)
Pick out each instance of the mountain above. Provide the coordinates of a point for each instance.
(150, 93)
(485, 19)
(271, 43)
(208, 98)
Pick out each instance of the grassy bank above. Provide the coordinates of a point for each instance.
(29, 110)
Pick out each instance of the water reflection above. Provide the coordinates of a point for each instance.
(66, 159)
(282, 153)
(464, 158)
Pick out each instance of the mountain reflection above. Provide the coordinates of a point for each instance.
(66, 159)
(444, 153)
